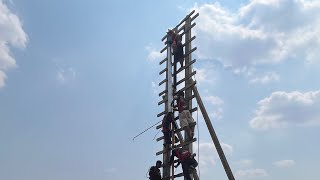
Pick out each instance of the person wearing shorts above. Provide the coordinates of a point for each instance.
(185, 117)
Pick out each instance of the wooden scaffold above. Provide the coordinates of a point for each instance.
(171, 82)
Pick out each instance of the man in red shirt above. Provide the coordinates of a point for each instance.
(186, 159)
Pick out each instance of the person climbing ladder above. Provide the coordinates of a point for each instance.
(185, 116)
(186, 159)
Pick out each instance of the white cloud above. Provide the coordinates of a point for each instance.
(284, 163)
(261, 32)
(11, 35)
(282, 109)
(267, 78)
(65, 75)
(217, 103)
(244, 163)
(251, 173)
(215, 100)
(208, 153)
(153, 54)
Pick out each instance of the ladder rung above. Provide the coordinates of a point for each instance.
(193, 38)
(177, 146)
(162, 113)
(164, 70)
(184, 67)
(164, 60)
(184, 19)
(163, 81)
(186, 87)
(177, 130)
(176, 118)
(164, 91)
(162, 101)
(186, 78)
(186, 30)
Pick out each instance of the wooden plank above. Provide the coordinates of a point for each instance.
(165, 91)
(186, 87)
(165, 100)
(186, 78)
(194, 17)
(163, 81)
(177, 130)
(213, 135)
(165, 48)
(179, 23)
(187, 42)
(188, 29)
(177, 146)
(162, 113)
(184, 67)
(176, 118)
(164, 70)
(164, 60)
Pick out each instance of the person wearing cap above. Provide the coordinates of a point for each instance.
(154, 171)
(185, 117)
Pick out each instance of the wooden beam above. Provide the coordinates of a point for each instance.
(179, 23)
(164, 70)
(186, 78)
(176, 118)
(185, 31)
(177, 130)
(177, 146)
(164, 60)
(165, 91)
(165, 48)
(213, 135)
(187, 87)
(193, 38)
(163, 81)
(165, 100)
(194, 17)
(184, 67)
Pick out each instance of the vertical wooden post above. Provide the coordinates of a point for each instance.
(213, 135)
(188, 70)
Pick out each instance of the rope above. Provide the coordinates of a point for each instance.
(156, 134)
(145, 130)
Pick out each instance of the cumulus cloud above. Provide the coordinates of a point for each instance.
(265, 79)
(209, 155)
(284, 163)
(65, 75)
(260, 32)
(250, 173)
(244, 163)
(11, 35)
(154, 54)
(282, 109)
(217, 104)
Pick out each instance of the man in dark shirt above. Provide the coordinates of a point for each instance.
(154, 171)
(178, 50)
(186, 159)
(167, 120)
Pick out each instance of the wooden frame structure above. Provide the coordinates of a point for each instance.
(171, 82)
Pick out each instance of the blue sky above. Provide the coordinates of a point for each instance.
(78, 80)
